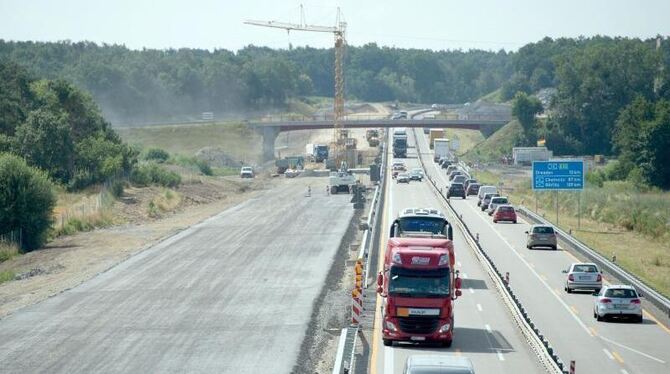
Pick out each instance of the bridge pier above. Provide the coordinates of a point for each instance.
(269, 134)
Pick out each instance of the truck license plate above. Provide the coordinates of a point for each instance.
(418, 338)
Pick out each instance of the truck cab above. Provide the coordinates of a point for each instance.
(418, 282)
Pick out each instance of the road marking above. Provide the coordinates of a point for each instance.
(543, 276)
(574, 309)
(623, 371)
(532, 270)
(617, 357)
(659, 323)
(632, 350)
(593, 331)
(458, 351)
(471, 290)
(500, 355)
(557, 291)
(608, 353)
(479, 307)
(388, 360)
(488, 328)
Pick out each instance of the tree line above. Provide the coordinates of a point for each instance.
(145, 85)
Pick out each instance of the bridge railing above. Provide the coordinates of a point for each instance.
(283, 118)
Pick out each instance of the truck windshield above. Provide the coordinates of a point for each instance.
(422, 224)
(419, 283)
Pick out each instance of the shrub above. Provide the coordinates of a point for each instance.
(157, 154)
(6, 276)
(26, 200)
(147, 174)
(117, 188)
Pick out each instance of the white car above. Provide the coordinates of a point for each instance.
(483, 190)
(246, 172)
(583, 276)
(617, 301)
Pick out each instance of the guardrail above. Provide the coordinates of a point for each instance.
(536, 340)
(345, 358)
(650, 294)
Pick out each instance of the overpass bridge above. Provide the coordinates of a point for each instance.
(270, 129)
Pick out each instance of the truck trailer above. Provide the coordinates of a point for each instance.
(440, 149)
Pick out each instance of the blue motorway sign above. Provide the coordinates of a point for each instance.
(558, 175)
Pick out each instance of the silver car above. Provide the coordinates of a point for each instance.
(495, 201)
(541, 236)
(434, 364)
(486, 200)
(583, 276)
(617, 300)
(403, 178)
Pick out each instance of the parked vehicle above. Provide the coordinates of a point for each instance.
(341, 180)
(486, 200)
(467, 182)
(456, 189)
(472, 189)
(583, 276)
(483, 190)
(403, 178)
(541, 236)
(416, 174)
(246, 172)
(495, 201)
(504, 213)
(418, 280)
(434, 364)
(617, 301)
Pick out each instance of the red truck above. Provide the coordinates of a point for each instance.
(419, 283)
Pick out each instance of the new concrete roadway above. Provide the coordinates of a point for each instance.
(565, 319)
(484, 330)
(233, 294)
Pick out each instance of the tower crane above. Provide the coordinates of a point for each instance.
(339, 134)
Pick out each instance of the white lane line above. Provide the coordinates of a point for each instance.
(479, 307)
(471, 290)
(500, 355)
(632, 350)
(488, 328)
(624, 371)
(388, 360)
(532, 270)
(608, 354)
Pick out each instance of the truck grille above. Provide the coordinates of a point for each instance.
(418, 325)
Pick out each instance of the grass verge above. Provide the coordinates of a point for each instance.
(8, 251)
(166, 201)
(6, 276)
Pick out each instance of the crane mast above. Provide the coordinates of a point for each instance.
(339, 134)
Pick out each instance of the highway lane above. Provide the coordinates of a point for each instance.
(565, 319)
(233, 294)
(484, 330)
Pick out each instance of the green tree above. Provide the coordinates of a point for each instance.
(525, 108)
(26, 200)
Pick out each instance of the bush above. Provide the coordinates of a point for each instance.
(26, 200)
(157, 154)
(117, 189)
(147, 174)
(201, 165)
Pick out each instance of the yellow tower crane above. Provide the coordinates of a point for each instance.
(339, 135)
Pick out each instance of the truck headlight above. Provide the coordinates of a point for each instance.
(390, 326)
(397, 259)
(444, 328)
(444, 259)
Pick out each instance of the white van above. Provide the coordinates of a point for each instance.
(483, 190)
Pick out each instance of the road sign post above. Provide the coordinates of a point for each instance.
(559, 175)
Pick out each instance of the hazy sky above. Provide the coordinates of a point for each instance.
(433, 24)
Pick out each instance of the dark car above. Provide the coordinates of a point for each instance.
(487, 200)
(472, 189)
(445, 163)
(454, 173)
(467, 183)
(456, 189)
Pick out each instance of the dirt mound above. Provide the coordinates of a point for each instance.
(217, 157)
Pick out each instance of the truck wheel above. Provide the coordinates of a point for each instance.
(333, 190)
(447, 343)
(387, 342)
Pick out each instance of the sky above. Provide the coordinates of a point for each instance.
(425, 24)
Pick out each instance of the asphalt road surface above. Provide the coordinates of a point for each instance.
(484, 330)
(233, 294)
(565, 319)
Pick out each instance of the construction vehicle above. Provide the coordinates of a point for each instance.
(316, 152)
(372, 136)
(291, 162)
(419, 281)
(341, 180)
